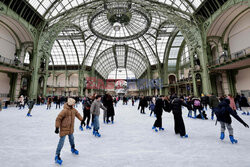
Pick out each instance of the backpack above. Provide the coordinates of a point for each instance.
(197, 103)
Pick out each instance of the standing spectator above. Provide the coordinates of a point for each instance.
(244, 105)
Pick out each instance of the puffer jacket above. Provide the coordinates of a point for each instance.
(66, 120)
(95, 108)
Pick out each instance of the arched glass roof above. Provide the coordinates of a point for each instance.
(117, 35)
(51, 8)
(121, 73)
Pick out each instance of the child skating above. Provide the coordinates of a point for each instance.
(223, 116)
(65, 122)
(95, 111)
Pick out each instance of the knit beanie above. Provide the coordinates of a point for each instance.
(71, 101)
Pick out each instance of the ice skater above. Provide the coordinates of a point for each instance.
(86, 112)
(142, 104)
(160, 105)
(176, 105)
(213, 103)
(152, 106)
(197, 106)
(95, 111)
(65, 122)
(244, 105)
(223, 116)
(49, 101)
(190, 108)
(30, 104)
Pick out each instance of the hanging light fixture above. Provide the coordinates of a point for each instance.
(117, 26)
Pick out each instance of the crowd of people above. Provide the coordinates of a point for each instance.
(223, 107)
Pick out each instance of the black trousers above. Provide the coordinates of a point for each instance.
(86, 115)
(158, 121)
(112, 118)
(143, 110)
(179, 126)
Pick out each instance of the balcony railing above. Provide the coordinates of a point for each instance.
(234, 56)
(11, 62)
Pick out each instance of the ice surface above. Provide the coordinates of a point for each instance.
(130, 142)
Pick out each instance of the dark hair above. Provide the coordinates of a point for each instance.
(98, 96)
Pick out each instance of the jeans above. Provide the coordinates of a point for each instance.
(96, 123)
(199, 112)
(61, 143)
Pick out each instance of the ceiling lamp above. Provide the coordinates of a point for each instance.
(117, 26)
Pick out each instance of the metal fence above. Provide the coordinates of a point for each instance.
(236, 55)
(11, 62)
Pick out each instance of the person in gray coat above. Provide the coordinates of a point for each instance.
(213, 103)
(30, 106)
(95, 111)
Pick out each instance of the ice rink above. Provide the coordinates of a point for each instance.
(129, 142)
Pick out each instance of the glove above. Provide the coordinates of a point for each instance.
(82, 123)
(57, 130)
(246, 125)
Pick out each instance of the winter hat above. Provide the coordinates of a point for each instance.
(71, 101)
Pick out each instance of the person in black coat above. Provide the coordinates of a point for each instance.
(142, 104)
(223, 116)
(110, 108)
(86, 112)
(190, 108)
(176, 105)
(244, 105)
(160, 105)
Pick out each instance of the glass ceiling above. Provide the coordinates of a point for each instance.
(174, 51)
(92, 40)
(120, 57)
(57, 7)
(121, 73)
